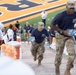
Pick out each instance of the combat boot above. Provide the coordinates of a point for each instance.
(35, 58)
(57, 71)
(67, 72)
(39, 62)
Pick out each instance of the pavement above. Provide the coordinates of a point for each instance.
(47, 67)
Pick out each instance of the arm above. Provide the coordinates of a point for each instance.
(65, 32)
(49, 40)
(57, 21)
(54, 27)
(48, 37)
(33, 32)
(33, 36)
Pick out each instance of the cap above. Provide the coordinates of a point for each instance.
(41, 24)
(70, 4)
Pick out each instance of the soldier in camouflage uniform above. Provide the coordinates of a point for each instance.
(61, 23)
(38, 48)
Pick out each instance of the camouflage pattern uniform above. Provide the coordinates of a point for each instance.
(38, 49)
(61, 41)
(27, 35)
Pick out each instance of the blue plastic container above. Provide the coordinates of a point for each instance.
(32, 39)
(72, 32)
(47, 45)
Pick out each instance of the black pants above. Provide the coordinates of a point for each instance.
(44, 21)
(75, 37)
(15, 35)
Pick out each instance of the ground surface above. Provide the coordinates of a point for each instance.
(47, 67)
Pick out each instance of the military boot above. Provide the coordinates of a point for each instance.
(57, 71)
(67, 72)
(39, 62)
(35, 57)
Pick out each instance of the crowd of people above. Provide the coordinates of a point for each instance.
(10, 33)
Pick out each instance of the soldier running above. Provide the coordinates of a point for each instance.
(61, 23)
(38, 48)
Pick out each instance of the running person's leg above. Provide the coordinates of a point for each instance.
(71, 53)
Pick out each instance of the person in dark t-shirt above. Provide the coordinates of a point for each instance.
(63, 22)
(17, 24)
(27, 31)
(51, 33)
(40, 34)
(31, 28)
